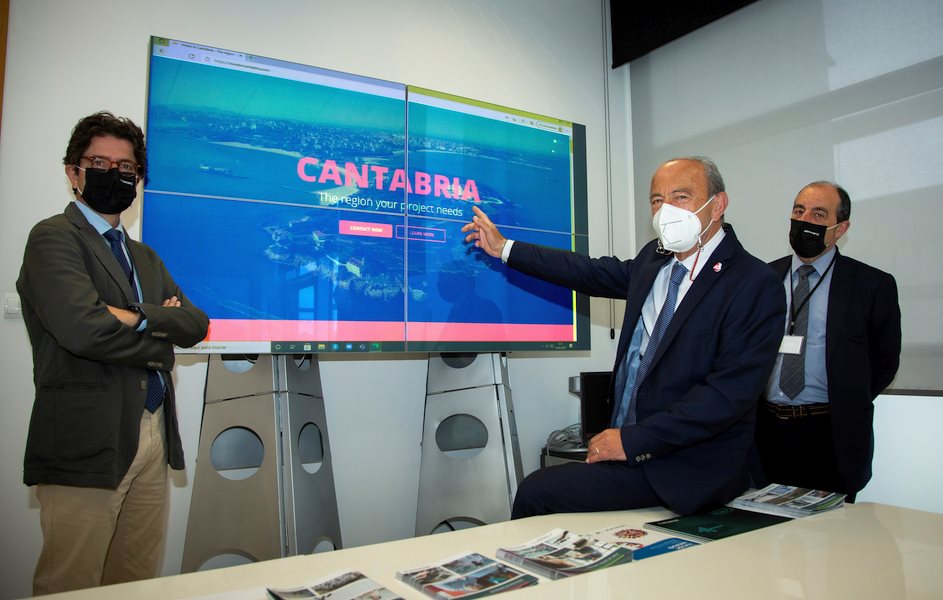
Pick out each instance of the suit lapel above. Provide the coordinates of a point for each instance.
(782, 266)
(639, 288)
(99, 247)
(642, 283)
(702, 284)
(144, 270)
(839, 297)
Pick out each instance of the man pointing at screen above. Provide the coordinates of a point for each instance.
(702, 326)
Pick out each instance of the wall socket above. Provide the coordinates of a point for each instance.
(11, 306)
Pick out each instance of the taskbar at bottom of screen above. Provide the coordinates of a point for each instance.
(296, 347)
(301, 347)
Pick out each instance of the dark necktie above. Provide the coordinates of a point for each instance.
(678, 271)
(155, 387)
(792, 374)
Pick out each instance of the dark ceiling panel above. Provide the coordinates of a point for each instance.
(640, 27)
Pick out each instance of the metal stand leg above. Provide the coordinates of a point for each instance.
(471, 460)
(264, 484)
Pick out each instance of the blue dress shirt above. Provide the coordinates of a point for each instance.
(816, 379)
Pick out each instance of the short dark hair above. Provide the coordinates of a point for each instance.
(844, 200)
(101, 124)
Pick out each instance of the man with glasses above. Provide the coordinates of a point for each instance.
(103, 315)
(841, 349)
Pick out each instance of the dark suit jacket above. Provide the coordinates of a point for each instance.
(697, 406)
(90, 371)
(862, 352)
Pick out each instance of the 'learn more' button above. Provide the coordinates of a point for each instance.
(420, 234)
(365, 229)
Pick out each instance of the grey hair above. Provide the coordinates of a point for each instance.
(715, 183)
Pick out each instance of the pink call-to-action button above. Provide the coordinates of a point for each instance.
(365, 229)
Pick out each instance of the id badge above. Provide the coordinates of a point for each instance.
(792, 344)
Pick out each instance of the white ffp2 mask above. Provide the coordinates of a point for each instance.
(678, 229)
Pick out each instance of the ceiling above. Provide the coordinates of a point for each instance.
(640, 27)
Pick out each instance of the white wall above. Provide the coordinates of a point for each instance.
(67, 59)
(908, 456)
(785, 92)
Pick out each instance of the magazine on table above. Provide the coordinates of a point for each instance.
(788, 500)
(643, 542)
(352, 585)
(562, 553)
(716, 524)
(469, 575)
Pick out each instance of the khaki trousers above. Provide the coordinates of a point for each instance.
(94, 536)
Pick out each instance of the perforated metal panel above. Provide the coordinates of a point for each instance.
(266, 504)
(471, 461)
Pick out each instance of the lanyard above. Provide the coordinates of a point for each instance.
(793, 309)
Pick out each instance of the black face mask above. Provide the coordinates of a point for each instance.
(807, 239)
(109, 192)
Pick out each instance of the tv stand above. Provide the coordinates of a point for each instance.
(263, 486)
(471, 460)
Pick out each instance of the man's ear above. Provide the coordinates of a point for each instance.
(842, 229)
(719, 206)
(72, 172)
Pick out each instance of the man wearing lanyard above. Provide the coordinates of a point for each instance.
(701, 329)
(103, 316)
(840, 350)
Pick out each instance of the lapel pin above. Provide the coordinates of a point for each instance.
(717, 267)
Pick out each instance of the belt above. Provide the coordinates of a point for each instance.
(784, 411)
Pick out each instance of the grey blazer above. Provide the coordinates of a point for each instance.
(90, 371)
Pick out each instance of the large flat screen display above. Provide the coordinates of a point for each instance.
(308, 210)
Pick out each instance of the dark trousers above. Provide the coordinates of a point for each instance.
(582, 487)
(799, 451)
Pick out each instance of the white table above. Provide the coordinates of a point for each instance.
(859, 551)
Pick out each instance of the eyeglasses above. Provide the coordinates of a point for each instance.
(100, 163)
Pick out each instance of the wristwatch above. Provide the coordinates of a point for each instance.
(140, 312)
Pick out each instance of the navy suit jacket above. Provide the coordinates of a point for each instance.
(89, 369)
(697, 406)
(862, 353)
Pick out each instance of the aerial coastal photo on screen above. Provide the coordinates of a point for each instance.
(322, 210)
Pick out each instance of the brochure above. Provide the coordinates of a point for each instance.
(469, 575)
(716, 524)
(643, 542)
(788, 500)
(561, 553)
(351, 585)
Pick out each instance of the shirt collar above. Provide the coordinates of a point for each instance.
(96, 220)
(819, 264)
